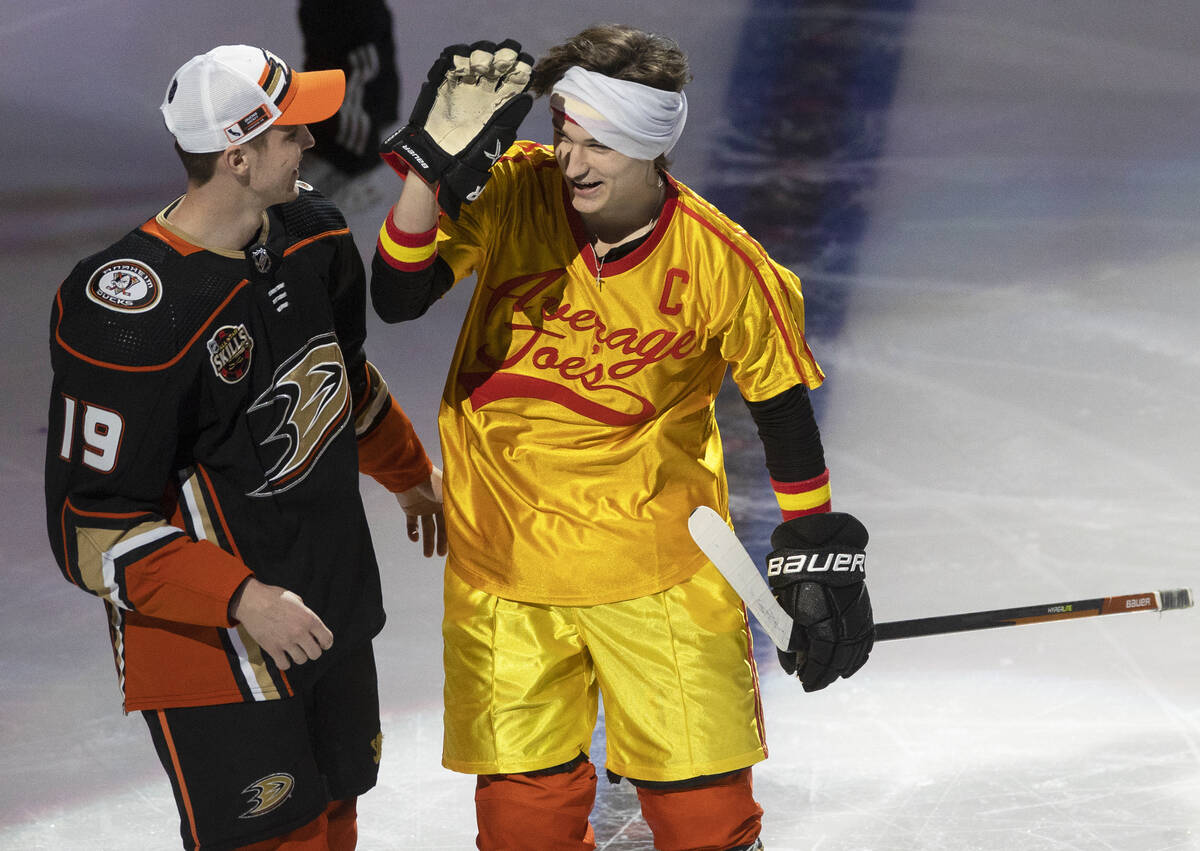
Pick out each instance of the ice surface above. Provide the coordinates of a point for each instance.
(1011, 409)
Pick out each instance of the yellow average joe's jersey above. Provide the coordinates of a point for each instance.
(577, 420)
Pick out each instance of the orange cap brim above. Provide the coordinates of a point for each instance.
(313, 96)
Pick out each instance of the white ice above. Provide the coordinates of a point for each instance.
(1012, 409)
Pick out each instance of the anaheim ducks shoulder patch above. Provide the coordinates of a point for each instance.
(127, 286)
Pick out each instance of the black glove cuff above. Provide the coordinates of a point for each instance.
(413, 145)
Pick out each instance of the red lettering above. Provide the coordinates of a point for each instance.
(584, 320)
(625, 338)
(542, 350)
(664, 302)
(541, 280)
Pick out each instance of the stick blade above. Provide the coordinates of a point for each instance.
(717, 541)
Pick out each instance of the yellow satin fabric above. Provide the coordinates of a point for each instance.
(675, 669)
(577, 424)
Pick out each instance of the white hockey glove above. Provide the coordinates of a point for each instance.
(465, 117)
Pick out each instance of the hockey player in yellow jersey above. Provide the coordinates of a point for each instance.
(578, 433)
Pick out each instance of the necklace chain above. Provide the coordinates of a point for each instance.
(600, 259)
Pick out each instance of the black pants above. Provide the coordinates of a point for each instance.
(244, 772)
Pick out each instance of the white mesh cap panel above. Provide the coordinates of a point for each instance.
(214, 100)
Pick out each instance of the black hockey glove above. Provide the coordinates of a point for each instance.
(466, 116)
(817, 571)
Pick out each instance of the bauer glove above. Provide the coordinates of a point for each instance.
(816, 570)
(466, 116)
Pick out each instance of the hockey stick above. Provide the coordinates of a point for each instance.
(721, 545)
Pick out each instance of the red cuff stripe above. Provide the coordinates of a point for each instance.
(801, 487)
(409, 240)
(811, 496)
(406, 252)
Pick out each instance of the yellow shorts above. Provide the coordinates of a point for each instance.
(675, 669)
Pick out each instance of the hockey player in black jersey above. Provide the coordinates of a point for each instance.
(211, 410)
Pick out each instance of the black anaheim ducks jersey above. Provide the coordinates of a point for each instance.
(203, 422)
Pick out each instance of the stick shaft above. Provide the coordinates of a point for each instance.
(717, 541)
(1152, 601)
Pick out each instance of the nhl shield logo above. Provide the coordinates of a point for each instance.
(262, 259)
(229, 352)
(128, 286)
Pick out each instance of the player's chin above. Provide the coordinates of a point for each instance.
(588, 200)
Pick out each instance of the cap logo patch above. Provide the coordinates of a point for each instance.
(229, 352)
(248, 123)
(128, 286)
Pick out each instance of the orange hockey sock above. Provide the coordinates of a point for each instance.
(343, 824)
(716, 816)
(336, 829)
(536, 812)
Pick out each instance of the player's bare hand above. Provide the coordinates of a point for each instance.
(423, 518)
(289, 631)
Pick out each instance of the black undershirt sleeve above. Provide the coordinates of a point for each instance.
(788, 430)
(399, 296)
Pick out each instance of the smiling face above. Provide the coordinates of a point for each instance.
(604, 185)
(275, 162)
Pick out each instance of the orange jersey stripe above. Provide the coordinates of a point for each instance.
(151, 367)
(298, 245)
(184, 794)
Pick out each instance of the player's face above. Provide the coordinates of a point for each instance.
(276, 165)
(601, 181)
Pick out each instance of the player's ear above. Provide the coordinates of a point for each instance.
(235, 158)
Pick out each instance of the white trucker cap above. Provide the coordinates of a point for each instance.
(235, 92)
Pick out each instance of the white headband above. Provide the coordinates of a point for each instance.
(633, 119)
